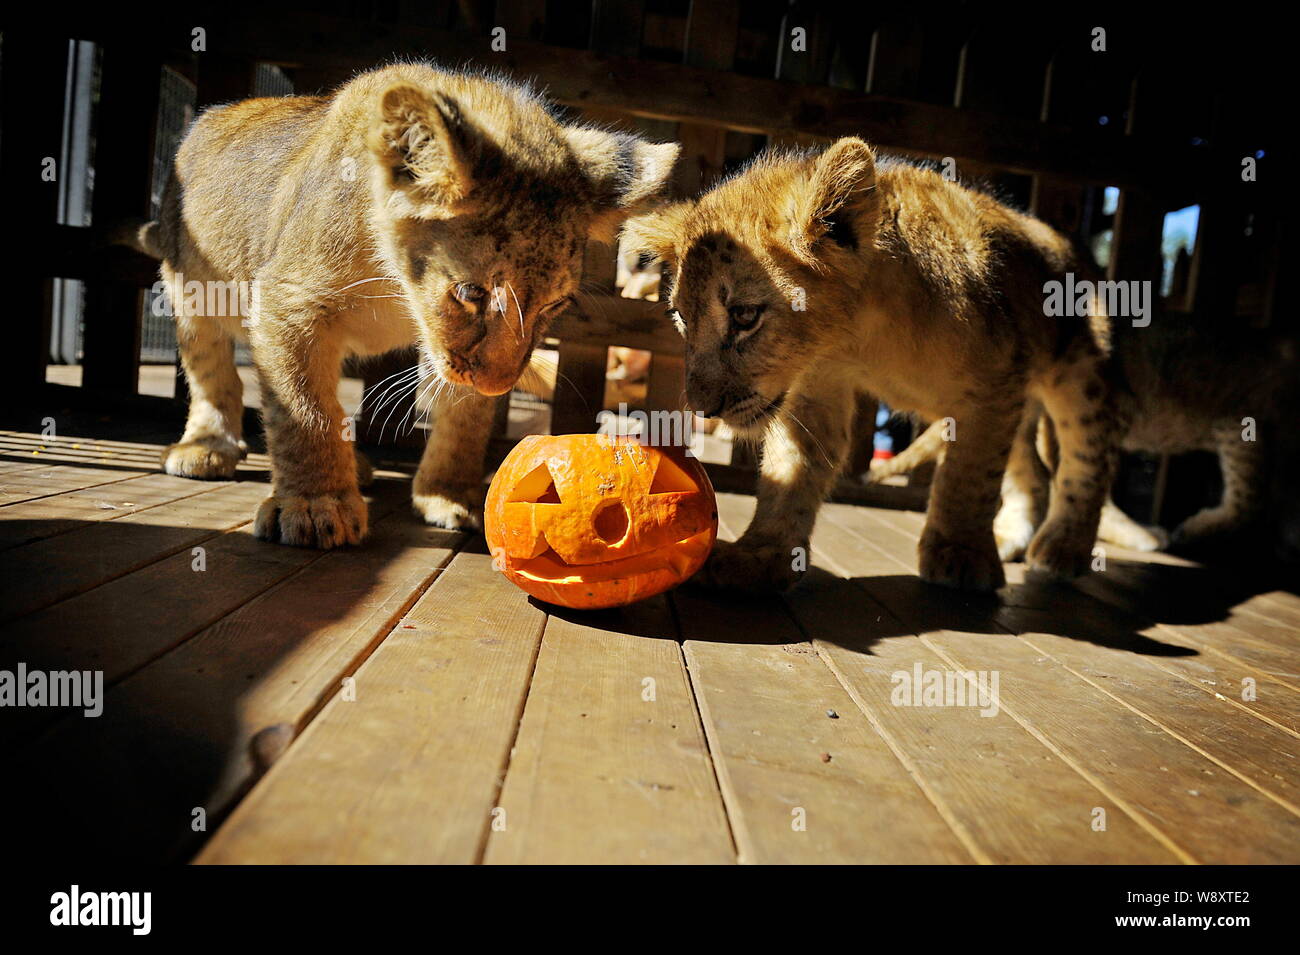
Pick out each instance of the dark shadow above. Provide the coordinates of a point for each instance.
(1110, 609)
(123, 787)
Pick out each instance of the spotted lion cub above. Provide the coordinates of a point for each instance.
(413, 205)
(810, 277)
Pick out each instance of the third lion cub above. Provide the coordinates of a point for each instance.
(812, 276)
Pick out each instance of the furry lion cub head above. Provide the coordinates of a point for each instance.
(751, 260)
(483, 202)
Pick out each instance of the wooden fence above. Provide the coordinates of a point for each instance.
(1032, 103)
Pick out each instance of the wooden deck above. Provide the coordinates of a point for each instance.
(402, 702)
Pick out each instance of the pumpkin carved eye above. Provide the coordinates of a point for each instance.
(670, 479)
(537, 487)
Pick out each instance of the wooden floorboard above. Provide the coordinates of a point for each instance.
(36, 575)
(410, 770)
(402, 702)
(1108, 714)
(1014, 799)
(48, 516)
(611, 765)
(805, 776)
(242, 687)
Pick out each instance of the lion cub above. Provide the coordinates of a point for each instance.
(413, 205)
(810, 277)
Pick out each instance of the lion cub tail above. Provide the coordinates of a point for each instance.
(138, 234)
(928, 448)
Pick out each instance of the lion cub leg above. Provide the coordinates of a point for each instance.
(315, 501)
(1024, 490)
(1116, 527)
(804, 449)
(1242, 465)
(957, 547)
(1085, 424)
(211, 447)
(448, 488)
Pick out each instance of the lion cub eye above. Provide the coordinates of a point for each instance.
(469, 294)
(745, 317)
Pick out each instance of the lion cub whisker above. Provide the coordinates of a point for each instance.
(434, 182)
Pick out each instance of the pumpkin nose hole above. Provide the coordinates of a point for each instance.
(611, 522)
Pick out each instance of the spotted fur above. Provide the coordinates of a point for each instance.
(1183, 385)
(811, 277)
(383, 215)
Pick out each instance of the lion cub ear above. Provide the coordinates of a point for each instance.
(654, 234)
(627, 174)
(417, 143)
(838, 203)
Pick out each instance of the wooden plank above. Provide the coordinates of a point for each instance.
(611, 320)
(579, 388)
(38, 574)
(812, 64)
(800, 785)
(408, 771)
(609, 768)
(60, 513)
(1215, 657)
(765, 703)
(195, 727)
(1014, 799)
(34, 484)
(1261, 755)
(1168, 782)
(666, 389)
(1178, 791)
(121, 626)
(1135, 249)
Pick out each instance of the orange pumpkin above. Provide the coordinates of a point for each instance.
(591, 520)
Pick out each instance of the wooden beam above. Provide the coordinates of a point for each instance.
(579, 388)
(743, 103)
(126, 124)
(620, 321)
(31, 112)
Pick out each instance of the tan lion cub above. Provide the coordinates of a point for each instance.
(412, 205)
(810, 277)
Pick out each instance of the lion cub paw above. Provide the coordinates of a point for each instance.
(1207, 524)
(207, 459)
(1013, 534)
(749, 567)
(962, 564)
(456, 510)
(325, 521)
(1060, 551)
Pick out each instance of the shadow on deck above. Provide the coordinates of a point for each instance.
(402, 702)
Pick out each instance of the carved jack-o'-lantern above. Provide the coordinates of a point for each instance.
(589, 520)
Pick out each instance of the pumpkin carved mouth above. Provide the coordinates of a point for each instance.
(550, 567)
